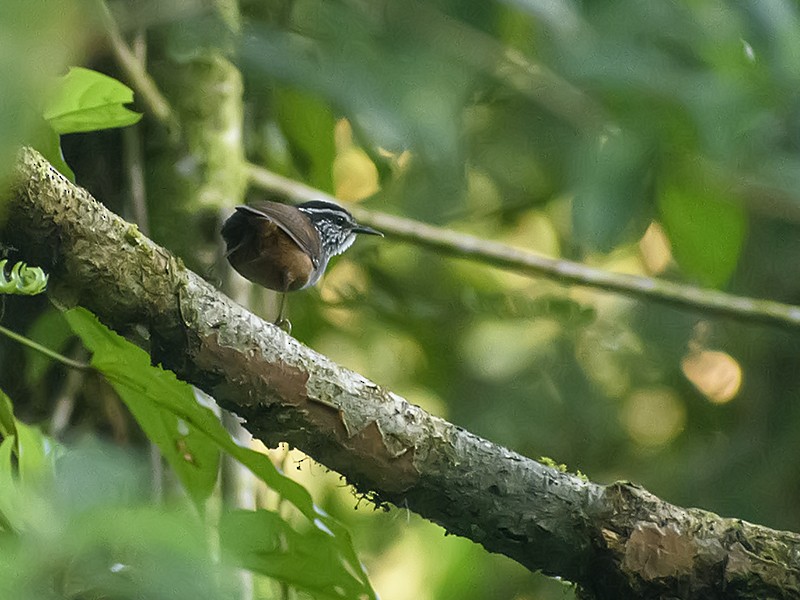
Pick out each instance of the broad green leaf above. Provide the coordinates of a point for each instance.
(128, 367)
(308, 124)
(265, 543)
(86, 100)
(93, 534)
(135, 552)
(154, 397)
(91, 474)
(339, 537)
(614, 196)
(707, 232)
(110, 551)
(150, 392)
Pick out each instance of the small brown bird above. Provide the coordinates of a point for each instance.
(287, 248)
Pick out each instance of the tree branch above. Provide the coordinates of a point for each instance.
(157, 105)
(615, 541)
(462, 245)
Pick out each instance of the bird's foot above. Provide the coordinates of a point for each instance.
(284, 324)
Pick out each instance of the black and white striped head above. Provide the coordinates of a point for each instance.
(336, 227)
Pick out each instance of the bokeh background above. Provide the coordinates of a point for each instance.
(660, 139)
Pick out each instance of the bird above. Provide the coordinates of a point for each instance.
(287, 248)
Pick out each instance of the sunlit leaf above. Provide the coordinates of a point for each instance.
(86, 100)
(355, 176)
(128, 368)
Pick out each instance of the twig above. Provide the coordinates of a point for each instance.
(72, 364)
(64, 404)
(132, 143)
(466, 246)
(136, 74)
(505, 257)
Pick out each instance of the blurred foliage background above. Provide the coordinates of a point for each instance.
(660, 139)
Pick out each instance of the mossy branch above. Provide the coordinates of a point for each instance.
(615, 541)
(462, 245)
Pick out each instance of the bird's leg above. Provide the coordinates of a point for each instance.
(284, 324)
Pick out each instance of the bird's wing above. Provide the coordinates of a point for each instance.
(291, 221)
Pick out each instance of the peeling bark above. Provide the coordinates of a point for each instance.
(616, 541)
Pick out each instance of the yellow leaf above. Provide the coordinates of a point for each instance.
(717, 375)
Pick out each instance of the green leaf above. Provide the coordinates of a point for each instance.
(29, 445)
(92, 535)
(614, 196)
(707, 232)
(308, 124)
(8, 424)
(45, 139)
(86, 100)
(157, 397)
(9, 492)
(32, 464)
(265, 543)
(32, 454)
(37, 38)
(159, 402)
(136, 552)
(128, 369)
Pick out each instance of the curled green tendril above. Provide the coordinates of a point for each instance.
(24, 280)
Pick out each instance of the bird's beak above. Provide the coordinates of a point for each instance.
(367, 230)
